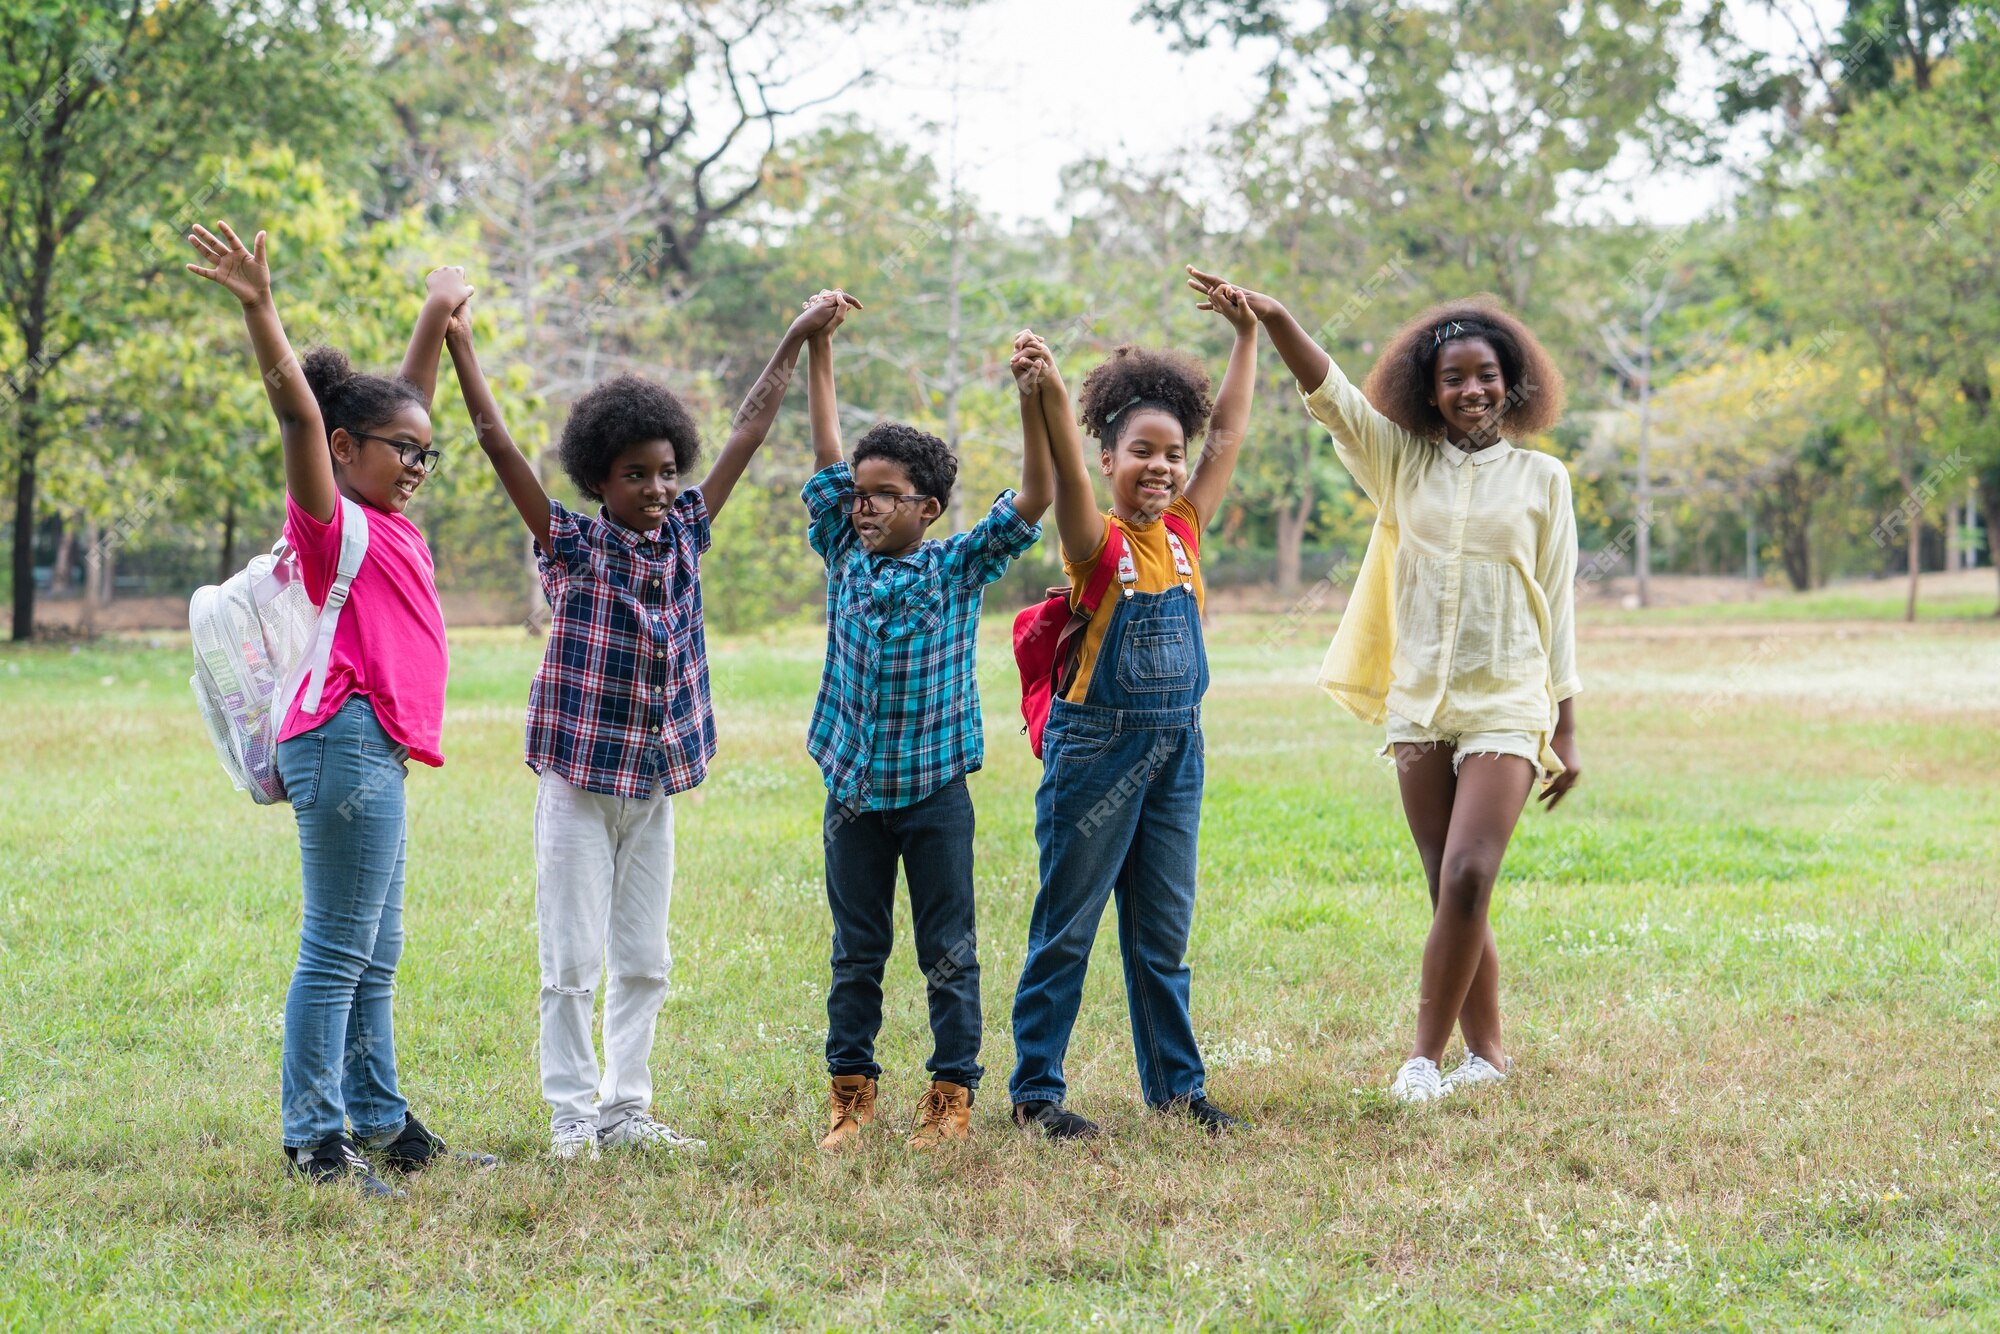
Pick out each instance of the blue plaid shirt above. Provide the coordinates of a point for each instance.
(898, 711)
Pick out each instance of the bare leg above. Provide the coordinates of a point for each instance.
(1486, 803)
(1428, 786)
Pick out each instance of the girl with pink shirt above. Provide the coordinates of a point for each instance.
(365, 439)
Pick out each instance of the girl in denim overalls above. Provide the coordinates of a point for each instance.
(1119, 804)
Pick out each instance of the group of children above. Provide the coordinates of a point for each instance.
(1459, 636)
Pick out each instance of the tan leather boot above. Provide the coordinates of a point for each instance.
(850, 1107)
(946, 1113)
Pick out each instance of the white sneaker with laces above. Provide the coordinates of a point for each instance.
(641, 1131)
(1477, 1070)
(573, 1140)
(1418, 1081)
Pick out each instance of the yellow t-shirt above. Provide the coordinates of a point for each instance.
(1153, 561)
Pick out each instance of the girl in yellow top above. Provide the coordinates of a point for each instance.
(1461, 634)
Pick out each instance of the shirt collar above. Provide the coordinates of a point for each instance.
(629, 536)
(1497, 450)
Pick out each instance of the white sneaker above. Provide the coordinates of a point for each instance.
(641, 1131)
(573, 1140)
(1418, 1081)
(1477, 1070)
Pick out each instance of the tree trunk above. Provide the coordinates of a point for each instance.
(1915, 541)
(65, 566)
(227, 566)
(1989, 504)
(90, 538)
(27, 434)
(1291, 538)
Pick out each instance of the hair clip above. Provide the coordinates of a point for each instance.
(1444, 331)
(1113, 416)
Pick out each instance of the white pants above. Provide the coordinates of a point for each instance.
(604, 873)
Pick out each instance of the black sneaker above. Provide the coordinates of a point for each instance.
(1203, 1113)
(415, 1148)
(337, 1160)
(1054, 1120)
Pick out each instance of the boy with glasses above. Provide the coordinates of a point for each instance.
(896, 729)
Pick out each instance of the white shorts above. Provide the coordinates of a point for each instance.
(1528, 745)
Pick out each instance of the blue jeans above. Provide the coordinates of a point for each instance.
(933, 841)
(1117, 814)
(345, 782)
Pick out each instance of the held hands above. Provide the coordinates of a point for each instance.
(1242, 307)
(824, 312)
(458, 329)
(241, 269)
(446, 286)
(1033, 364)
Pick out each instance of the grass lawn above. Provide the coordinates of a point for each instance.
(1750, 973)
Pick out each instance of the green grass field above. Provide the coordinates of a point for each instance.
(1750, 973)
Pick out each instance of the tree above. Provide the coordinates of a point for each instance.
(109, 108)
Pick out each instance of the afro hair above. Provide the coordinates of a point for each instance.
(926, 459)
(1400, 385)
(1171, 382)
(353, 400)
(624, 411)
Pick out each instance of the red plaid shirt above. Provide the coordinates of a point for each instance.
(620, 701)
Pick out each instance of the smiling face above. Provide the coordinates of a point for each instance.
(373, 472)
(898, 531)
(1146, 463)
(1469, 391)
(641, 485)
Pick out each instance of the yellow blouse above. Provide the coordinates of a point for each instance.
(1463, 615)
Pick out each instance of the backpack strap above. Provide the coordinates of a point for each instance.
(353, 548)
(1181, 528)
(1099, 582)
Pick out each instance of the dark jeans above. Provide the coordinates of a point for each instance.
(933, 841)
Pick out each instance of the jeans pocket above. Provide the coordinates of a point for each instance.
(299, 763)
(1075, 745)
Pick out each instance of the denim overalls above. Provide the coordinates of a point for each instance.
(1117, 811)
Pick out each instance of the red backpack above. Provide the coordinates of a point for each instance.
(1047, 635)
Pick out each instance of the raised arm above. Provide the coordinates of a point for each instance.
(1032, 365)
(517, 475)
(1370, 446)
(445, 290)
(752, 422)
(244, 271)
(1078, 520)
(1217, 464)
(821, 406)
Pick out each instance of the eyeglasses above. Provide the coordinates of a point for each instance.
(862, 503)
(413, 454)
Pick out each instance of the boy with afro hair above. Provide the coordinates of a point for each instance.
(619, 717)
(896, 729)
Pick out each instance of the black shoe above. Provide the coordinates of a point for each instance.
(1054, 1120)
(416, 1148)
(1203, 1113)
(337, 1160)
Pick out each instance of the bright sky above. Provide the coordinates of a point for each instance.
(1046, 82)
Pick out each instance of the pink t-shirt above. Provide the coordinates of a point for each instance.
(389, 644)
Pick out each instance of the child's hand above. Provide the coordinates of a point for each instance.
(447, 286)
(824, 312)
(1032, 363)
(1239, 305)
(458, 329)
(241, 269)
(1564, 745)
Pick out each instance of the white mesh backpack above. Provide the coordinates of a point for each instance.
(257, 639)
